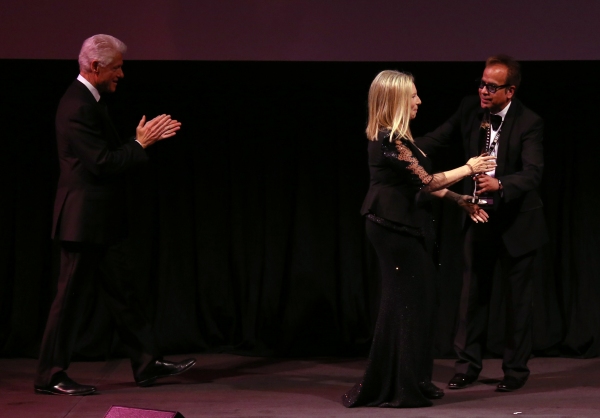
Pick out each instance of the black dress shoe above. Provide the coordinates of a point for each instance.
(461, 381)
(431, 391)
(161, 368)
(510, 383)
(65, 386)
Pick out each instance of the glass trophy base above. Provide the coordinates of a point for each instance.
(481, 200)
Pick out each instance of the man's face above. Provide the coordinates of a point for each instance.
(495, 75)
(108, 76)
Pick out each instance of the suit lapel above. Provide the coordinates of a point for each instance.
(113, 134)
(504, 143)
(86, 95)
(474, 147)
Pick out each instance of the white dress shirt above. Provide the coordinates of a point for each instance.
(493, 134)
(91, 88)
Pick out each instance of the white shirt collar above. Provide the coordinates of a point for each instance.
(502, 113)
(91, 88)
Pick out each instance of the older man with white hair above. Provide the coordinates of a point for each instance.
(90, 223)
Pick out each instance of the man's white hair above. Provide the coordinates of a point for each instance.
(101, 48)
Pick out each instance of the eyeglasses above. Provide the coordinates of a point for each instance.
(492, 88)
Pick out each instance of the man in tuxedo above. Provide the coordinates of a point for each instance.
(90, 223)
(498, 123)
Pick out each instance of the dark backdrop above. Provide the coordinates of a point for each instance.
(306, 30)
(247, 231)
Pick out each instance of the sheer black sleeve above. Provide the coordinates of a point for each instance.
(402, 157)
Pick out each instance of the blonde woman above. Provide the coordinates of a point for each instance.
(399, 225)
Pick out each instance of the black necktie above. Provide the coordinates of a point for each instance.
(496, 120)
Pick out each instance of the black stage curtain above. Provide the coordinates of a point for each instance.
(247, 231)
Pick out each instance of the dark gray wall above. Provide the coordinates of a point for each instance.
(296, 30)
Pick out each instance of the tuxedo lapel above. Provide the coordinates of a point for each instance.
(505, 135)
(474, 146)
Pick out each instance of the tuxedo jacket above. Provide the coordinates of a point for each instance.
(518, 210)
(90, 204)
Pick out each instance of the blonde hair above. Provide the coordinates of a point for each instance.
(390, 104)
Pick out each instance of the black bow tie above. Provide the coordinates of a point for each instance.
(496, 120)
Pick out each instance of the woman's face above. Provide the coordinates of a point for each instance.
(414, 103)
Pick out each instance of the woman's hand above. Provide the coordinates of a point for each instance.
(482, 164)
(475, 212)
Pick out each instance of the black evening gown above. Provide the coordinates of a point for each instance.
(401, 353)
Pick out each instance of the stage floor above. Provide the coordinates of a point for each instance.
(223, 385)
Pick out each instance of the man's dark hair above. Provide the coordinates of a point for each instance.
(514, 68)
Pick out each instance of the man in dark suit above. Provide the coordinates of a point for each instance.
(90, 223)
(498, 123)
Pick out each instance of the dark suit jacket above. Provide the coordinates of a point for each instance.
(90, 199)
(519, 212)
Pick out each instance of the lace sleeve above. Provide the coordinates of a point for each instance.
(438, 182)
(413, 166)
(422, 179)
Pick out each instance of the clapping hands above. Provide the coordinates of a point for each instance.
(159, 128)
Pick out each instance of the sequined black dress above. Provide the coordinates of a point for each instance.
(402, 235)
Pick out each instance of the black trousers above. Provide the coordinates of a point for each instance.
(88, 271)
(483, 251)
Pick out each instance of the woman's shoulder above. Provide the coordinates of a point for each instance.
(383, 135)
